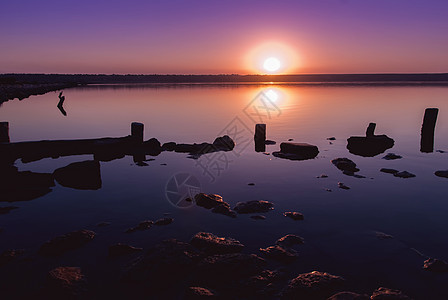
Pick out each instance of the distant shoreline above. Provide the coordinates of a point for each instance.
(24, 85)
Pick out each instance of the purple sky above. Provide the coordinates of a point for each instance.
(213, 37)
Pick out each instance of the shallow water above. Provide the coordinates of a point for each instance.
(339, 226)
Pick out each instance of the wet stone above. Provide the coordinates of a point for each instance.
(280, 254)
(435, 265)
(163, 221)
(224, 210)
(345, 164)
(442, 173)
(388, 294)
(290, 240)
(313, 285)
(196, 292)
(341, 185)
(348, 296)
(66, 242)
(213, 244)
(209, 201)
(392, 156)
(254, 206)
(404, 174)
(294, 215)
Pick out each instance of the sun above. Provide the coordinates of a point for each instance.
(272, 64)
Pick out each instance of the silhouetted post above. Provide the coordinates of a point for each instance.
(370, 130)
(137, 132)
(428, 127)
(260, 137)
(4, 132)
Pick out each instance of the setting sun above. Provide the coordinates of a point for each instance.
(272, 64)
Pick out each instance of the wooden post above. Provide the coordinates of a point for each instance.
(4, 132)
(260, 132)
(137, 132)
(428, 128)
(370, 130)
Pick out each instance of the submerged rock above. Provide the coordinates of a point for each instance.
(345, 164)
(280, 254)
(435, 265)
(197, 293)
(389, 171)
(254, 206)
(65, 283)
(388, 294)
(66, 242)
(442, 173)
(209, 201)
(348, 296)
(163, 221)
(313, 285)
(212, 244)
(85, 175)
(141, 226)
(290, 240)
(404, 174)
(392, 156)
(224, 210)
(341, 185)
(122, 249)
(294, 215)
(296, 151)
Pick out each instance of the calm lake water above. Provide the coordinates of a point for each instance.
(340, 225)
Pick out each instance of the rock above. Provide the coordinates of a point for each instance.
(341, 185)
(269, 142)
(212, 244)
(195, 292)
(328, 190)
(122, 249)
(388, 294)
(404, 174)
(389, 171)
(163, 221)
(209, 201)
(322, 176)
(391, 156)
(442, 173)
(251, 184)
(369, 146)
(280, 254)
(348, 296)
(254, 206)
(294, 215)
(258, 217)
(224, 210)
(297, 151)
(65, 283)
(85, 175)
(141, 226)
(224, 143)
(331, 138)
(290, 240)
(221, 268)
(6, 209)
(10, 255)
(290, 140)
(435, 265)
(170, 146)
(313, 285)
(345, 164)
(152, 147)
(66, 242)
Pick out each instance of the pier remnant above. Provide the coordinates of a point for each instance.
(4, 132)
(369, 145)
(371, 130)
(428, 128)
(260, 137)
(137, 132)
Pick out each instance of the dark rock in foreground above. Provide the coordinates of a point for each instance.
(348, 296)
(66, 242)
(224, 210)
(212, 244)
(254, 206)
(296, 151)
(85, 175)
(435, 265)
(345, 164)
(313, 285)
(197, 293)
(65, 283)
(389, 171)
(294, 215)
(442, 173)
(280, 254)
(209, 201)
(122, 249)
(391, 156)
(388, 294)
(404, 174)
(164, 221)
(10, 255)
(141, 226)
(290, 240)
(152, 147)
(224, 143)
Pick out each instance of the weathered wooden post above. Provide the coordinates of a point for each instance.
(260, 137)
(137, 132)
(4, 132)
(428, 128)
(370, 130)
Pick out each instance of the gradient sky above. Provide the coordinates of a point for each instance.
(215, 37)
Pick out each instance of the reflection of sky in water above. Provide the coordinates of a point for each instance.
(338, 224)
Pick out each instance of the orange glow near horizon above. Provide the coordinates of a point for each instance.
(272, 58)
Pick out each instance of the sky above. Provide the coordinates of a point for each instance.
(223, 37)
